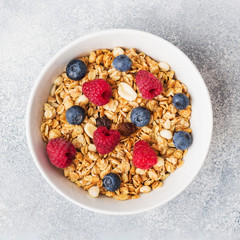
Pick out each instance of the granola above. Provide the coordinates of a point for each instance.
(88, 168)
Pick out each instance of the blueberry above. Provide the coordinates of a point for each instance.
(180, 101)
(140, 116)
(75, 115)
(122, 63)
(182, 140)
(76, 69)
(111, 182)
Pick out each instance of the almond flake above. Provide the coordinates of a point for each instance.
(126, 91)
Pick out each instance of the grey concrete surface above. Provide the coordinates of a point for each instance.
(31, 32)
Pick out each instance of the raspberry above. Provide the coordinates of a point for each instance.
(97, 91)
(148, 84)
(105, 140)
(144, 156)
(126, 128)
(60, 152)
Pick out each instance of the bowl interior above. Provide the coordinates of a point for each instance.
(201, 121)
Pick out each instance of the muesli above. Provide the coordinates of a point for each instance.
(155, 132)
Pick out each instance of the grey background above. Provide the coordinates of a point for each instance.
(31, 32)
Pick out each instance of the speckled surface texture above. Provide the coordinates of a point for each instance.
(31, 32)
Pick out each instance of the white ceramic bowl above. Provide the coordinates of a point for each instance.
(201, 122)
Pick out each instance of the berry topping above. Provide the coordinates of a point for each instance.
(122, 63)
(104, 121)
(182, 140)
(75, 115)
(148, 84)
(76, 69)
(105, 140)
(126, 128)
(111, 182)
(97, 91)
(144, 156)
(180, 101)
(60, 152)
(140, 116)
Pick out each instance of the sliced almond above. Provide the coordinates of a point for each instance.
(89, 129)
(164, 66)
(117, 51)
(166, 134)
(94, 191)
(92, 147)
(145, 189)
(126, 92)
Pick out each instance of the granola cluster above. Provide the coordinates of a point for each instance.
(89, 167)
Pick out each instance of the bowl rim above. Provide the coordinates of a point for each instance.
(37, 82)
